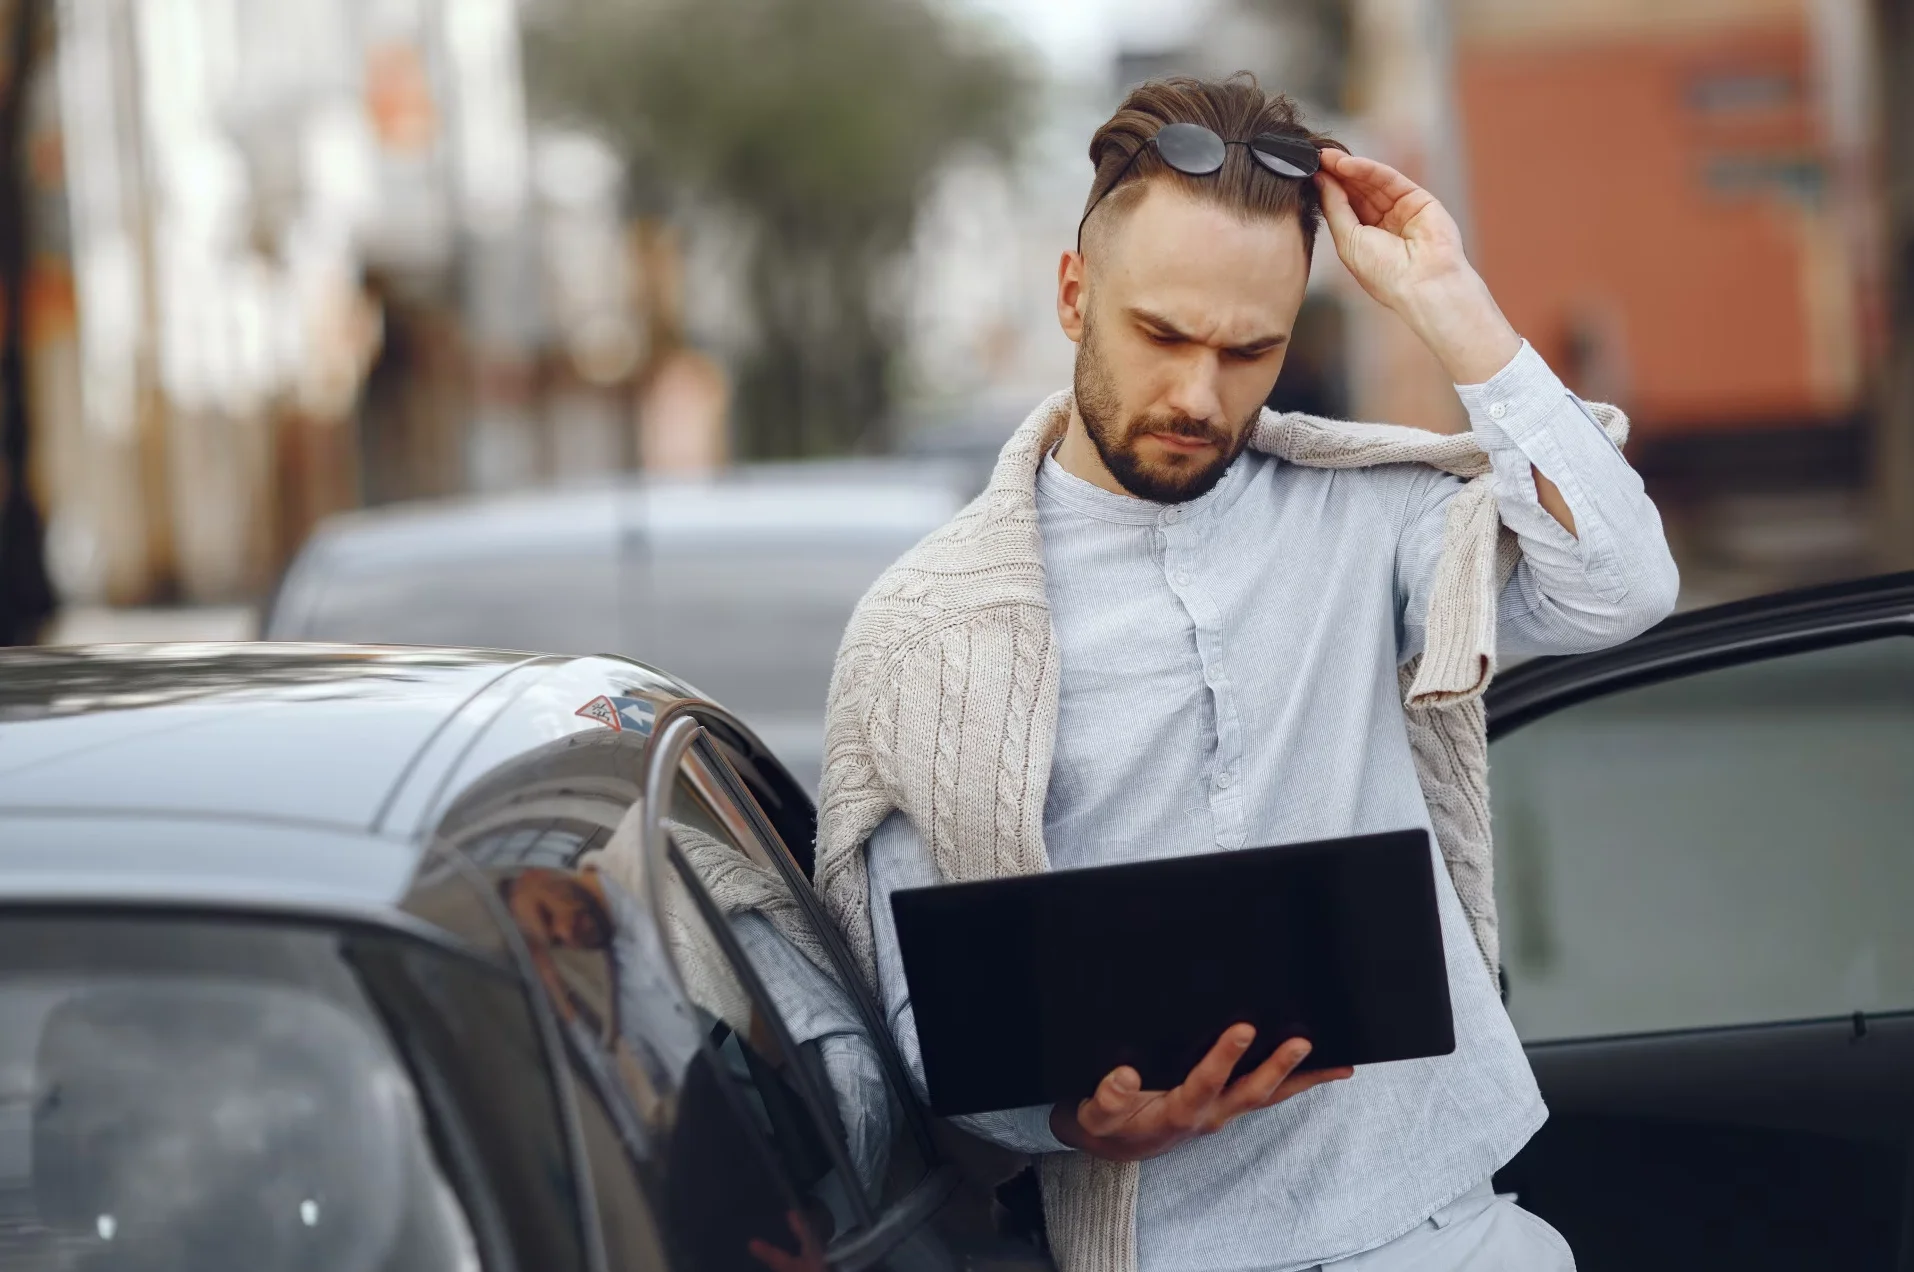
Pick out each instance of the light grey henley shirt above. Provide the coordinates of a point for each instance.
(1229, 680)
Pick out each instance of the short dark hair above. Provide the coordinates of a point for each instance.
(1235, 109)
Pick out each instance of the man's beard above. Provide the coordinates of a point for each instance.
(1174, 478)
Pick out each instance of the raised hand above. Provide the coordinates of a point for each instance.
(1406, 251)
(1124, 1123)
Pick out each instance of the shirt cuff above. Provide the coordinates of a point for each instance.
(1513, 402)
(1019, 1130)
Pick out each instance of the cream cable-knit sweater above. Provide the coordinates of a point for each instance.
(943, 705)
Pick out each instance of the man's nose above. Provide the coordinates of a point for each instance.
(1197, 394)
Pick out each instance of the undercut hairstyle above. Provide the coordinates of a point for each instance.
(1235, 109)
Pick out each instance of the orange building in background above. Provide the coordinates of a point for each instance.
(1661, 199)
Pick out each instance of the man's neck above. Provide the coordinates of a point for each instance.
(1079, 457)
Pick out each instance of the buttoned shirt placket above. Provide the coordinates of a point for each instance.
(1180, 531)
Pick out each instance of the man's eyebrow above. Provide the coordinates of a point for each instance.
(1158, 321)
(1148, 319)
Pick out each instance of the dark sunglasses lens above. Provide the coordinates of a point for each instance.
(1285, 156)
(1190, 148)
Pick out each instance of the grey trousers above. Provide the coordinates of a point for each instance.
(1479, 1231)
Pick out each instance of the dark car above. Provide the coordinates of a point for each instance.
(370, 959)
(555, 910)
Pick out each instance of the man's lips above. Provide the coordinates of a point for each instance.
(1184, 445)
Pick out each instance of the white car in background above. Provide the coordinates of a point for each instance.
(741, 582)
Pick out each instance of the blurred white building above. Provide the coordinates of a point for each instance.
(317, 256)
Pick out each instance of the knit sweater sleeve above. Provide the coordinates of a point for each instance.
(898, 858)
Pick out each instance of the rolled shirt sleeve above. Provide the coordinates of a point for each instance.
(1612, 578)
(896, 857)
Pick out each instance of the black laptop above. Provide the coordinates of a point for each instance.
(1029, 990)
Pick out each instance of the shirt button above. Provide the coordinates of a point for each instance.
(1182, 579)
(1498, 410)
(1223, 779)
(1173, 516)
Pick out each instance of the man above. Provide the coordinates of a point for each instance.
(1168, 627)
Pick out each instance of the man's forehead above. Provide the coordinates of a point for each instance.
(1195, 262)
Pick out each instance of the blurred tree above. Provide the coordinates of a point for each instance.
(821, 123)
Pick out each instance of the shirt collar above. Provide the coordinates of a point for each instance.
(1056, 482)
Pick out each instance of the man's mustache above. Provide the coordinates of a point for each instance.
(1182, 426)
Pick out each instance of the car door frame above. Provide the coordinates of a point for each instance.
(1736, 634)
(682, 740)
(1747, 631)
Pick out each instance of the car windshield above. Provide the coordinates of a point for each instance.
(209, 1095)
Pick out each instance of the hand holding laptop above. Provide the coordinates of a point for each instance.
(1145, 986)
(1123, 1123)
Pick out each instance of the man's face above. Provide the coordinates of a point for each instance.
(560, 909)
(1181, 325)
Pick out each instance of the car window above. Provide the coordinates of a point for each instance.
(616, 1102)
(1732, 847)
(251, 1095)
(789, 989)
(643, 1082)
(555, 838)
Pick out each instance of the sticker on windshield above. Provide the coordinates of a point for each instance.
(619, 714)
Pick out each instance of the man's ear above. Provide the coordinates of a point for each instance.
(1071, 295)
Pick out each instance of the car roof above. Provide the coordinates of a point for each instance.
(810, 498)
(270, 768)
(301, 733)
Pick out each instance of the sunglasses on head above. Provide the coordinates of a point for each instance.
(1196, 151)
